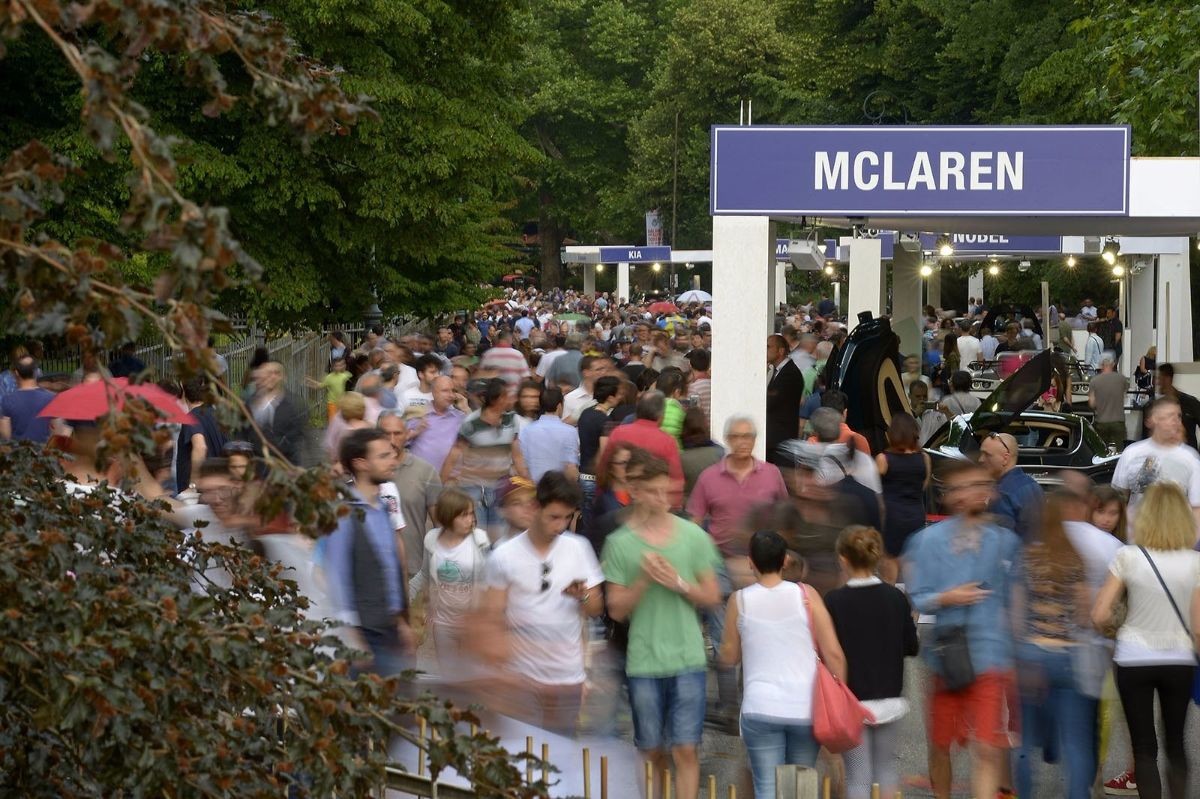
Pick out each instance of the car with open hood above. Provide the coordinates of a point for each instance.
(1048, 442)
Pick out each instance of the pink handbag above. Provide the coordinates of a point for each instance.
(837, 715)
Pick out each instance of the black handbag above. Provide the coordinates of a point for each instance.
(953, 653)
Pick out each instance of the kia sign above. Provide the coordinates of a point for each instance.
(908, 171)
(634, 255)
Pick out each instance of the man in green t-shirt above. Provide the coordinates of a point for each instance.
(660, 569)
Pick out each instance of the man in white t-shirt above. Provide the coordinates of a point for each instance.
(1163, 457)
(576, 401)
(418, 398)
(970, 349)
(540, 585)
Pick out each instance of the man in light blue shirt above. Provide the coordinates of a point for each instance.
(362, 566)
(434, 432)
(550, 444)
(962, 570)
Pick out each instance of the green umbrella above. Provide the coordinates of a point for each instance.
(572, 317)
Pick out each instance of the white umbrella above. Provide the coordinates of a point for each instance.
(695, 295)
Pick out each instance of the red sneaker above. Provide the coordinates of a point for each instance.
(1124, 784)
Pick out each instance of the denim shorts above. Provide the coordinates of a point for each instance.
(668, 711)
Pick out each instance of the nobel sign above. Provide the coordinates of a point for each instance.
(908, 171)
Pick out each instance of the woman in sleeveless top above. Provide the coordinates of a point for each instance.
(767, 629)
(904, 472)
(1157, 644)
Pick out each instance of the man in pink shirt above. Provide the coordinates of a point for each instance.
(723, 496)
(726, 491)
(645, 432)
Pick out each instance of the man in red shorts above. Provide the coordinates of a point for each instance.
(960, 570)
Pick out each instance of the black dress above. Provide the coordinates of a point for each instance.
(903, 499)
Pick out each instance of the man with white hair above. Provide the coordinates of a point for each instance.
(721, 500)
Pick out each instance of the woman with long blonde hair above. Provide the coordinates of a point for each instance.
(1157, 644)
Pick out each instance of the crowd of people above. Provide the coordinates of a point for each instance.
(542, 500)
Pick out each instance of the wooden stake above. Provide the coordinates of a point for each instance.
(666, 783)
(603, 777)
(732, 792)
(828, 788)
(421, 746)
(587, 773)
(529, 760)
(649, 780)
(545, 764)
(875, 791)
(712, 786)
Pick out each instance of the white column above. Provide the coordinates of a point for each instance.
(780, 297)
(1139, 327)
(1174, 309)
(933, 289)
(865, 278)
(589, 278)
(906, 299)
(743, 258)
(975, 285)
(623, 282)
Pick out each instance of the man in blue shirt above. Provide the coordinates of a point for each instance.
(362, 565)
(550, 444)
(1018, 501)
(19, 420)
(961, 570)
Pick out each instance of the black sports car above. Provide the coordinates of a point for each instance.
(1048, 442)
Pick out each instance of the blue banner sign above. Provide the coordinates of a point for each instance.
(915, 170)
(634, 255)
(996, 244)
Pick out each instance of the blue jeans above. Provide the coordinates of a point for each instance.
(668, 711)
(1051, 705)
(714, 617)
(773, 742)
(487, 509)
(389, 657)
(588, 488)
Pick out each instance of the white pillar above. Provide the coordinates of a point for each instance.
(589, 278)
(1139, 327)
(933, 289)
(623, 282)
(837, 296)
(1174, 309)
(743, 259)
(780, 297)
(866, 278)
(975, 285)
(906, 299)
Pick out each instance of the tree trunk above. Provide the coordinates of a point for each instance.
(549, 242)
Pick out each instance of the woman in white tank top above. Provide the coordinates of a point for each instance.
(767, 629)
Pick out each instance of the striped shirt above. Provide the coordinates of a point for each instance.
(488, 457)
(508, 363)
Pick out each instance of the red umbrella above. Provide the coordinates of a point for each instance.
(90, 401)
(662, 306)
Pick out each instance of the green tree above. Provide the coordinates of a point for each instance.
(410, 211)
(123, 671)
(584, 77)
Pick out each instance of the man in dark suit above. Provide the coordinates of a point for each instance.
(785, 391)
(280, 415)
